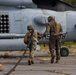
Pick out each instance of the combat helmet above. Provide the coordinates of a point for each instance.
(50, 18)
(30, 27)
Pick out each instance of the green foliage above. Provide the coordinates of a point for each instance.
(70, 44)
(73, 2)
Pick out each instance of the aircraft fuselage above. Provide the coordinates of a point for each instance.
(13, 26)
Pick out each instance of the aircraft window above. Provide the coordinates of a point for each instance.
(4, 23)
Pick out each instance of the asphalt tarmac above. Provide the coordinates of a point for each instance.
(67, 66)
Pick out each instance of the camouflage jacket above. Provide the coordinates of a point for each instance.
(54, 29)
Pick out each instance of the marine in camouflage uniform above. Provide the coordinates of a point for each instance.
(34, 40)
(55, 30)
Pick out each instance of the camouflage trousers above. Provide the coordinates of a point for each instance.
(32, 49)
(54, 47)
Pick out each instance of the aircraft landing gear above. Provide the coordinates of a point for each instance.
(64, 51)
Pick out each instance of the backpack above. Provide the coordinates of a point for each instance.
(25, 39)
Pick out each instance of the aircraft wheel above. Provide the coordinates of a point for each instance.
(64, 52)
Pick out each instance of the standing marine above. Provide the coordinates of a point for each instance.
(54, 29)
(31, 39)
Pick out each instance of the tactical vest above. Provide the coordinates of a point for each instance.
(54, 27)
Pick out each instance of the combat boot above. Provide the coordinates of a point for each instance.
(57, 61)
(32, 62)
(29, 61)
(52, 59)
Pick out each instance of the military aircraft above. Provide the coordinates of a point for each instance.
(16, 15)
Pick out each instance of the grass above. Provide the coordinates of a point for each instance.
(65, 44)
(67, 74)
(70, 44)
(44, 46)
(6, 55)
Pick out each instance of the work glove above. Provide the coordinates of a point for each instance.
(44, 35)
